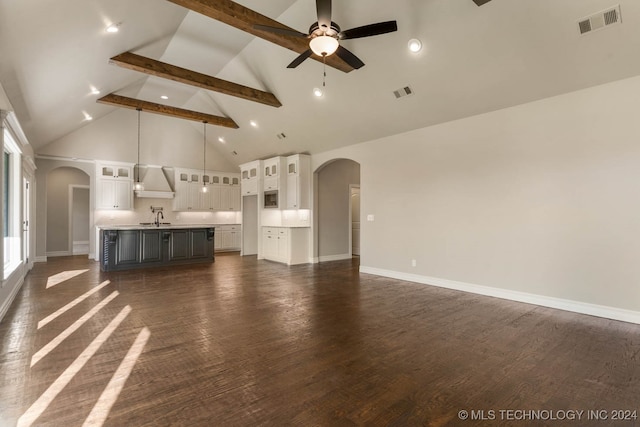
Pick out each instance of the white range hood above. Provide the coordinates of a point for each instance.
(155, 182)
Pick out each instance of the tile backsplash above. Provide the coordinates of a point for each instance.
(142, 213)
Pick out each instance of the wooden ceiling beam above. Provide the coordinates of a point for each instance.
(152, 107)
(156, 68)
(244, 19)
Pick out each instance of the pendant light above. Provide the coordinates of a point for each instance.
(204, 188)
(138, 186)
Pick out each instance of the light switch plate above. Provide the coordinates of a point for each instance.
(370, 217)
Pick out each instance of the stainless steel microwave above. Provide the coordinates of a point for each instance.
(271, 199)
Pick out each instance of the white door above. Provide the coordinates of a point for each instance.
(26, 214)
(355, 220)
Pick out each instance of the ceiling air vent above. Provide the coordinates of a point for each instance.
(401, 93)
(600, 20)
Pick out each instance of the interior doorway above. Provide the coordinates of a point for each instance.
(79, 207)
(354, 191)
(334, 182)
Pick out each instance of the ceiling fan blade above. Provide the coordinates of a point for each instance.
(369, 30)
(481, 2)
(300, 59)
(324, 13)
(282, 31)
(349, 58)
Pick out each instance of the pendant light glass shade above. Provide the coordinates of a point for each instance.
(323, 45)
(138, 186)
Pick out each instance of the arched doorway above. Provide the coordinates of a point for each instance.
(336, 182)
(68, 212)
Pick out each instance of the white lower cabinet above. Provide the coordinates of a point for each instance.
(289, 245)
(228, 238)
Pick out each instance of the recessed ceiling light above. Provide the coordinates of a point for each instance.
(221, 139)
(253, 123)
(87, 116)
(94, 91)
(113, 28)
(317, 92)
(415, 45)
(164, 97)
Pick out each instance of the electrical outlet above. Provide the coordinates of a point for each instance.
(413, 263)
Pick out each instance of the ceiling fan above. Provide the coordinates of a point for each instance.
(481, 2)
(325, 36)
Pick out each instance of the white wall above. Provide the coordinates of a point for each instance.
(541, 199)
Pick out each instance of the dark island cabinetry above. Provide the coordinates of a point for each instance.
(123, 249)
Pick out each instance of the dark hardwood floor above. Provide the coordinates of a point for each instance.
(244, 342)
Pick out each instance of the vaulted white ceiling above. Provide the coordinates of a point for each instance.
(474, 60)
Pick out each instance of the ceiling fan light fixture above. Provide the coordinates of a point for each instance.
(324, 45)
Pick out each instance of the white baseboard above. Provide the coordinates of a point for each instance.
(41, 259)
(59, 253)
(541, 300)
(327, 258)
(7, 303)
(80, 247)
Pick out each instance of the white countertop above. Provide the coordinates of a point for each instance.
(152, 227)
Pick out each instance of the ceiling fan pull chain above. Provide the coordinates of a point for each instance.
(324, 70)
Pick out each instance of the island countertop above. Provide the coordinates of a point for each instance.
(165, 226)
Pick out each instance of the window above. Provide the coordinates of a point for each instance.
(11, 204)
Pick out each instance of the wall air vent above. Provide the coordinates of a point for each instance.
(600, 20)
(402, 92)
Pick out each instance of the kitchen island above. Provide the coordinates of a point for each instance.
(124, 247)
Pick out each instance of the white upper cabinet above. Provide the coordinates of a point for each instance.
(223, 191)
(250, 177)
(274, 178)
(114, 186)
(115, 171)
(298, 193)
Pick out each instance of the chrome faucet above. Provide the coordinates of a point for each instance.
(158, 215)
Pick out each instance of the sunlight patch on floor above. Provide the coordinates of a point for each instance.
(71, 329)
(40, 405)
(72, 304)
(61, 277)
(101, 409)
